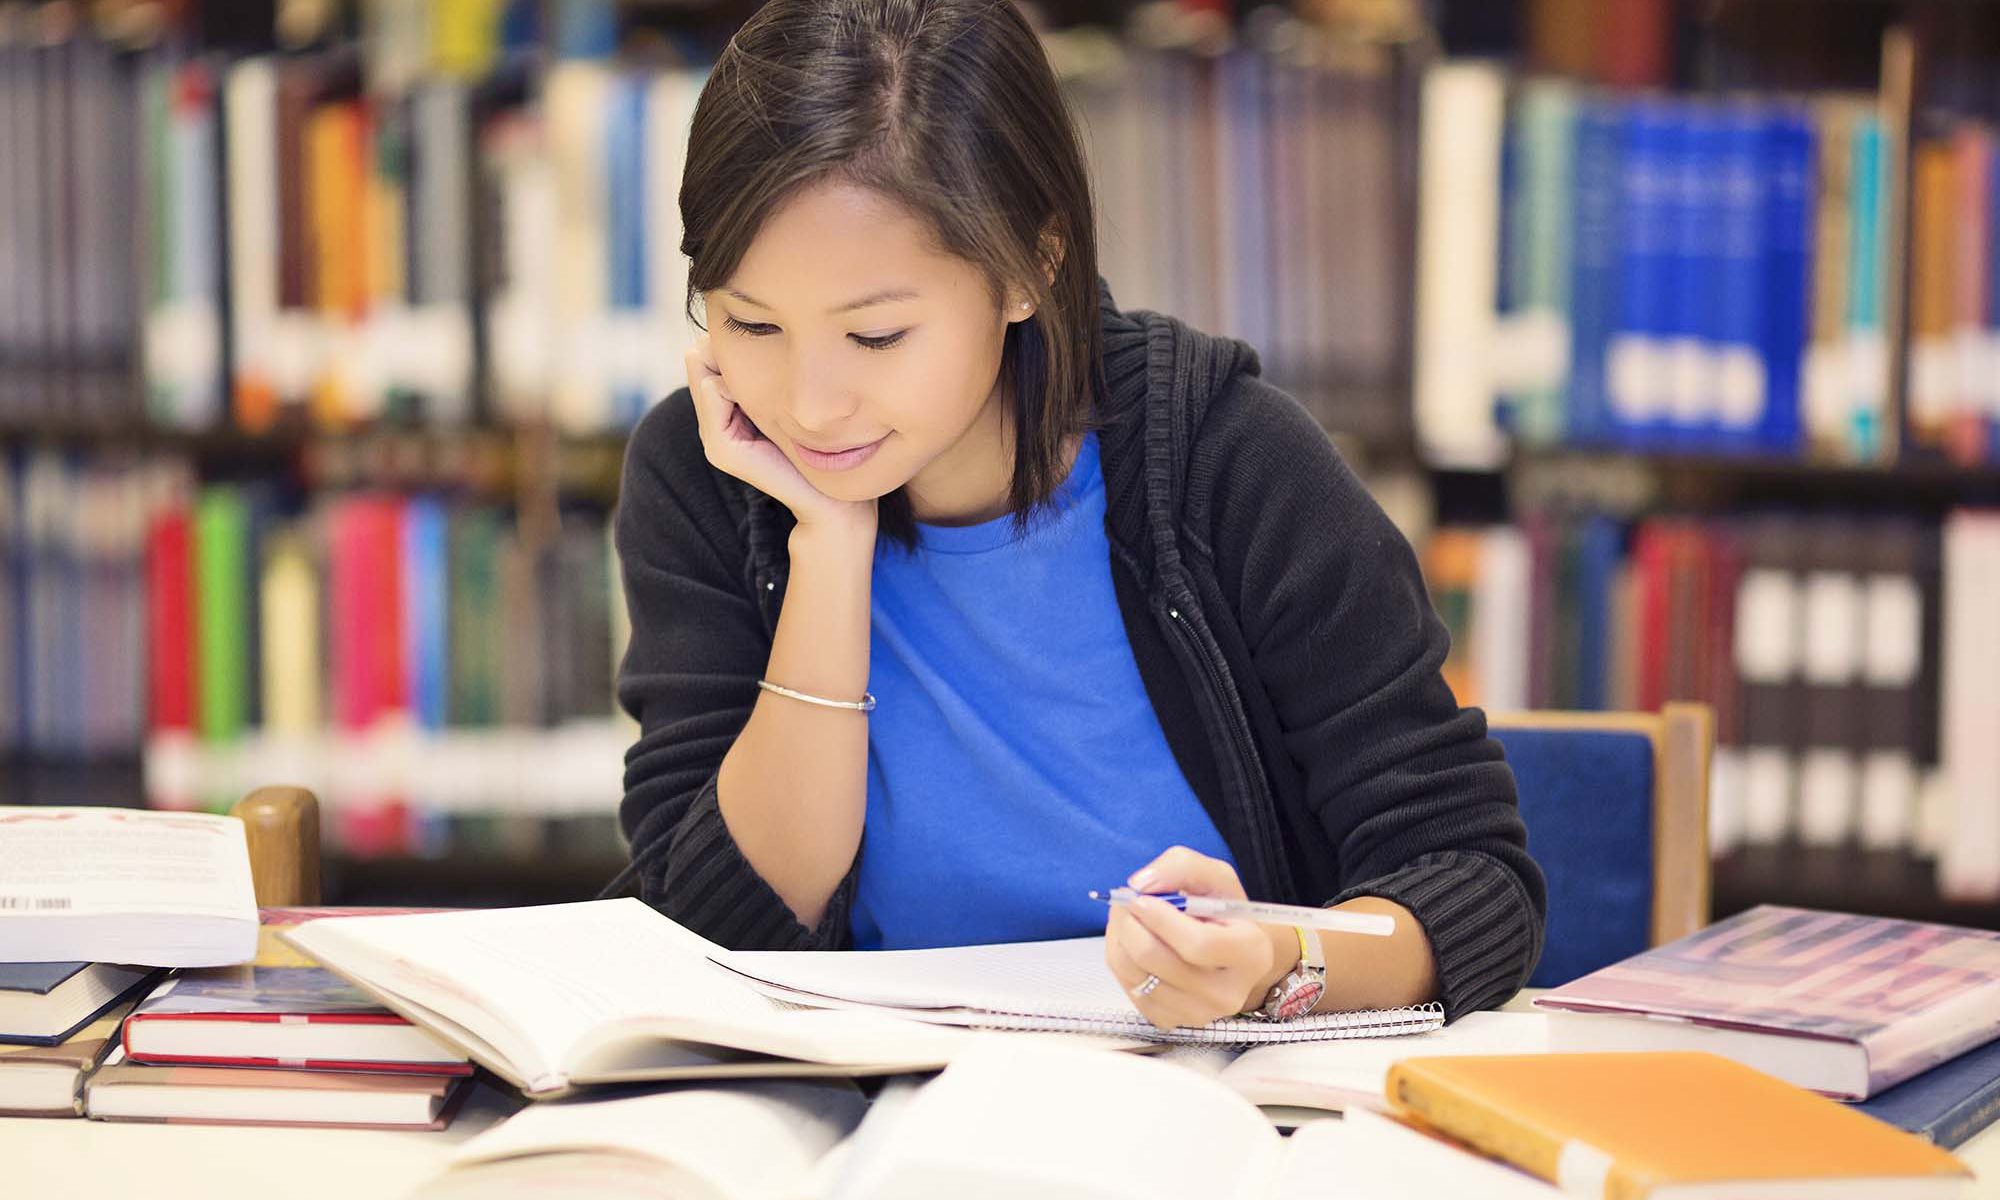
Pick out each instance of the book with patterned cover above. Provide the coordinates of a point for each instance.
(1908, 994)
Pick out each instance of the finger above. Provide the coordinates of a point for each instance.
(700, 358)
(1166, 1006)
(1205, 944)
(711, 409)
(1180, 869)
(721, 420)
(1153, 953)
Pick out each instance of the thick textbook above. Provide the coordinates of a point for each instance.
(1841, 1004)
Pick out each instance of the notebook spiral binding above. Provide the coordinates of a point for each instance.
(1389, 1022)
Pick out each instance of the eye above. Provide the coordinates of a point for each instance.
(757, 330)
(882, 343)
(749, 330)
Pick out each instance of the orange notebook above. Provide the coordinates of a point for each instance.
(1669, 1126)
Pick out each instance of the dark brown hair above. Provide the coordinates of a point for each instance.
(948, 108)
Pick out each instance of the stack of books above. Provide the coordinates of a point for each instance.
(277, 1041)
(140, 982)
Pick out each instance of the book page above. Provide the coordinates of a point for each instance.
(550, 973)
(741, 1140)
(1049, 978)
(1335, 1075)
(1366, 1156)
(1063, 981)
(1008, 1120)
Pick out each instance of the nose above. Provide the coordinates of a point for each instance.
(821, 402)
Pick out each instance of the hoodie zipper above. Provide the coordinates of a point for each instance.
(1240, 742)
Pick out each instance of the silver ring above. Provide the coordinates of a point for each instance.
(1146, 986)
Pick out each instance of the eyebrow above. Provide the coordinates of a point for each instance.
(881, 297)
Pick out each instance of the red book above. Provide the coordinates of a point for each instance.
(1635, 43)
(282, 1010)
(170, 669)
(123, 1091)
(1652, 562)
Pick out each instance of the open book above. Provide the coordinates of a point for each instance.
(762, 1139)
(609, 991)
(1054, 1121)
(1306, 1079)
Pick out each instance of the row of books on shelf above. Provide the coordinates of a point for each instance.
(1849, 661)
(1289, 221)
(413, 658)
(1954, 380)
(1702, 274)
(377, 1017)
(298, 239)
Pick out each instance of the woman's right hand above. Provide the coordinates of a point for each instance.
(735, 446)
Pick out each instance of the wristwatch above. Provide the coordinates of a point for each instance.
(1301, 988)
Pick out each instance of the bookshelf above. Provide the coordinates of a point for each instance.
(1652, 493)
(299, 287)
(280, 364)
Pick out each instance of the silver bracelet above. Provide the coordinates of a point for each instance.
(866, 704)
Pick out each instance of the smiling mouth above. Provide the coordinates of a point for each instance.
(841, 450)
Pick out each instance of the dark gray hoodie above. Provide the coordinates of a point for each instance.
(1279, 621)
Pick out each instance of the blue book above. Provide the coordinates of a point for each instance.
(42, 1004)
(625, 165)
(13, 633)
(424, 610)
(586, 28)
(1791, 148)
(37, 978)
(1697, 202)
(1868, 194)
(1511, 245)
(1599, 553)
(1993, 291)
(1636, 353)
(1742, 375)
(1593, 266)
(427, 664)
(1946, 1104)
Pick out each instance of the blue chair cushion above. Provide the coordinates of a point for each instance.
(1587, 800)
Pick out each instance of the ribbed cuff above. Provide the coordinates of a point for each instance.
(708, 886)
(1481, 925)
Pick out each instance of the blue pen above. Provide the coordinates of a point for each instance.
(1335, 920)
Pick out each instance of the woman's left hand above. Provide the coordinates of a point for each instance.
(1207, 968)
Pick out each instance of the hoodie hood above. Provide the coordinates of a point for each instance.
(1161, 375)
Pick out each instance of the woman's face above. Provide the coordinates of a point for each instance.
(867, 356)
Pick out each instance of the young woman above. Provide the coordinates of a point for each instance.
(958, 592)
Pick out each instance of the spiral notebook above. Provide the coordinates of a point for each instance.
(1056, 986)
(559, 995)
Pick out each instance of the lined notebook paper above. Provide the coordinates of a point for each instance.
(1057, 986)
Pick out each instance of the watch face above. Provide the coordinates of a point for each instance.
(1300, 998)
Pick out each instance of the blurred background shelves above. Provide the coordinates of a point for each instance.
(1666, 329)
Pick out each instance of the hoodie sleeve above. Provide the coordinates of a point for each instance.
(689, 677)
(1416, 799)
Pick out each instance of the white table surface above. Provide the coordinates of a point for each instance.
(77, 1159)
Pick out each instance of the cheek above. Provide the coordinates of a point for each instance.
(944, 392)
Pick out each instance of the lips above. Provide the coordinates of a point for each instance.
(839, 460)
(838, 450)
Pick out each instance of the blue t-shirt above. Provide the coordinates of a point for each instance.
(1014, 758)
